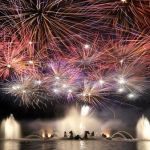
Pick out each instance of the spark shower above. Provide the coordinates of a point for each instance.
(84, 51)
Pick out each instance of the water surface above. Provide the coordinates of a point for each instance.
(73, 145)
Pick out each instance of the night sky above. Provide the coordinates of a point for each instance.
(8, 105)
(90, 21)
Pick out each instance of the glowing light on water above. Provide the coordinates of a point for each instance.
(43, 134)
(11, 145)
(106, 132)
(49, 135)
(11, 128)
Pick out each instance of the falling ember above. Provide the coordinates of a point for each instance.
(101, 82)
(86, 46)
(8, 65)
(131, 96)
(121, 81)
(121, 90)
(30, 62)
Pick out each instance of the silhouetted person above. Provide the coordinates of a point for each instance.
(93, 134)
(86, 134)
(71, 135)
(65, 134)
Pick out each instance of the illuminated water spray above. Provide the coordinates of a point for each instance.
(143, 128)
(143, 132)
(78, 121)
(84, 112)
(11, 128)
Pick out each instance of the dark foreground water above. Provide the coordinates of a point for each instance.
(73, 145)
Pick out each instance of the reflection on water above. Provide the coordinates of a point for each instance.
(71, 145)
(94, 145)
(68, 145)
(82, 145)
(11, 145)
(143, 146)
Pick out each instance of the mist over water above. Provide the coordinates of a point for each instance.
(78, 122)
(83, 120)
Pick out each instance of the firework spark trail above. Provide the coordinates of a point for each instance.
(42, 58)
(11, 60)
(126, 50)
(125, 13)
(65, 77)
(14, 60)
(49, 20)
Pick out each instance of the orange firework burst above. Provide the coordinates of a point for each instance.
(125, 13)
(12, 60)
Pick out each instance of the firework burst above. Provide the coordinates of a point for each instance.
(47, 49)
(12, 60)
(27, 89)
(49, 21)
(125, 13)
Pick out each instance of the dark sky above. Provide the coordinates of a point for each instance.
(8, 105)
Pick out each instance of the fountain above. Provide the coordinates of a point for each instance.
(143, 133)
(10, 128)
(143, 129)
(78, 122)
